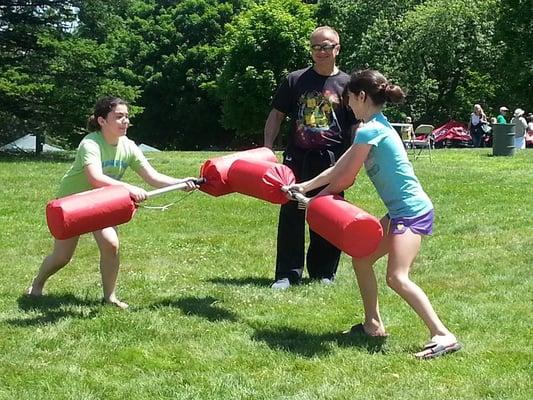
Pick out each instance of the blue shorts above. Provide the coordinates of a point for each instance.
(422, 225)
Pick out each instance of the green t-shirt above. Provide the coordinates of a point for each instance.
(93, 149)
(501, 119)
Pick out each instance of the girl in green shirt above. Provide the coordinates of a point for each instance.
(102, 158)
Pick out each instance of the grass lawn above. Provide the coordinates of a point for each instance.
(204, 324)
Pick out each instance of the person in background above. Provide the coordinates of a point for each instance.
(529, 132)
(101, 160)
(520, 129)
(475, 125)
(407, 132)
(409, 209)
(322, 126)
(501, 118)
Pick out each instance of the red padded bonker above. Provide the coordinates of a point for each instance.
(344, 225)
(89, 211)
(215, 171)
(261, 179)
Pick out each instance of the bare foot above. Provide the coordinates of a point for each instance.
(375, 328)
(374, 331)
(380, 332)
(35, 290)
(116, 303)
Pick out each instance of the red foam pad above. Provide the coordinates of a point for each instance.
(89, 211)
(344, 225)
(215, 171)
(261, 179)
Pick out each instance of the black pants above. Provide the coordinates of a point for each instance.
(477, 133)
(322, 257)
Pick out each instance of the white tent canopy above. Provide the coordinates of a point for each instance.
(146, 148)
(27, 144)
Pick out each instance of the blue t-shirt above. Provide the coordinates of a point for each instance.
(389, 169)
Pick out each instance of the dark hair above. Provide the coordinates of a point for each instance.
(103, 107)
(375, 85)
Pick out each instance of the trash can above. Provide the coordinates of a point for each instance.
(503, 139)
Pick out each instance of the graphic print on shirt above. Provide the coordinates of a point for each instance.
(114, 168)
(317, 125)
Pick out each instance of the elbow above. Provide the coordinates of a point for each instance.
(97, 180)
(95, 183)
(341, 184)
(348, 182)
(93, 180)
(275, 117)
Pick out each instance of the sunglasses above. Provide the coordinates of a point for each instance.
(323, 47)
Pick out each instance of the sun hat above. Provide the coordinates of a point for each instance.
(503, 108)
(518, 112)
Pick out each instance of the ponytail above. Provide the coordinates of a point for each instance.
(394, 94)
(375, 85)
(92, 124)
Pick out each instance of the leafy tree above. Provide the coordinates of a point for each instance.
(22, 95)
(514, 36)
(79, 71)
(170, 52)
(436, 51)
(260, 47)
(205, 70)
(352, 19)
(51, 76)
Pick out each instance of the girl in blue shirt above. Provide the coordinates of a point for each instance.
(379, 148)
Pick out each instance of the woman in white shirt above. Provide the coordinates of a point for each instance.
(520, 129)
(477, 119)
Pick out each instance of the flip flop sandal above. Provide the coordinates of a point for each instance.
(432, 350)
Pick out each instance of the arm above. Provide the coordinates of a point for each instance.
(157, 179)
(354, 129)
(97, 179)
(272, 126)
(342, 175)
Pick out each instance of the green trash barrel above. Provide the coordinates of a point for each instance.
(503, 139)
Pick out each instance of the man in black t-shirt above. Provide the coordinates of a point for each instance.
(322, 128)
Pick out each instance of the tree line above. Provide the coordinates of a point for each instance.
(201, 73)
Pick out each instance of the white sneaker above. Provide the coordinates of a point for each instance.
(326, 281)
(281, 284)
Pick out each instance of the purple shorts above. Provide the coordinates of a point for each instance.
(422, 225)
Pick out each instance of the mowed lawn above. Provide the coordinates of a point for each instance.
(204, 324)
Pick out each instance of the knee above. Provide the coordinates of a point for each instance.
(62, 259)
(360, 264)
(110, 247)
(397, 282)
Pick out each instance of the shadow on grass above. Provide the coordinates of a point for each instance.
(311, 345)
(53, 308)
(259, 282)
(249, 281)
(205, 307)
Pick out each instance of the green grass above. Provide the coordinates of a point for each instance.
(203, 323)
